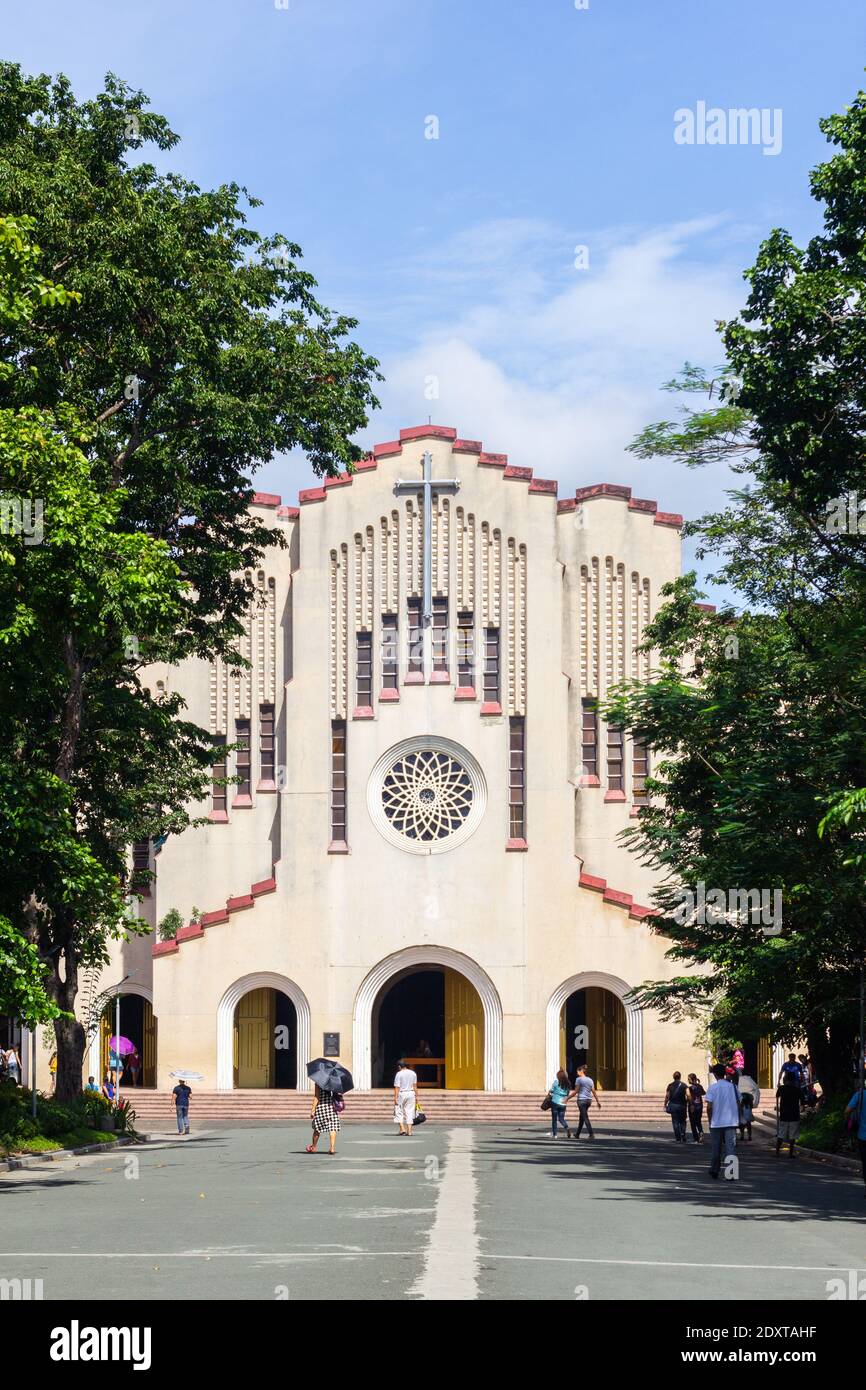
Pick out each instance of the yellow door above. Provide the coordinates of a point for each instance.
(606, 1054)
(464, 1035)
(254, 1036)
(148, 1059)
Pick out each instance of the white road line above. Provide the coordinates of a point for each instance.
(451, 1258)
(357, 1253)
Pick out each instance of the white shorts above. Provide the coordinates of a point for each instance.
(404, 1110)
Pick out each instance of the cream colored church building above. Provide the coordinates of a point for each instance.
(419, 855)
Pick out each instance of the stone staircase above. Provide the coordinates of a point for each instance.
(154, 1109)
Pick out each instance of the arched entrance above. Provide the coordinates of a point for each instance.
(434, 996)
(265, 1041)
(589, 1021)
(138, 1025)
(263, 1034)
(432, 1016)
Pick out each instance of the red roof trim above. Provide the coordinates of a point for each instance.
(267, 499)
(213, 919)
(637, 911)
(547, 487)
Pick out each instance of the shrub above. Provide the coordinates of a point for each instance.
(825, 1130)
(170, 925)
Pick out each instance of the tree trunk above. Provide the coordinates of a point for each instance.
(68, 1032)
(830, 1050)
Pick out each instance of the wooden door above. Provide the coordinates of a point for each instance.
(607, 1052)
(148, 1055)
(254, 1038)
(464, 1035)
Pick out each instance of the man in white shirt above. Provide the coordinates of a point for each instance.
(405, 1086)
(723, 1111)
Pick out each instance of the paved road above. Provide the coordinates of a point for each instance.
(241, 1212)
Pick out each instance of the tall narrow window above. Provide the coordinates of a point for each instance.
(338, 784)
(639, 771)
(615, 767)
(517, 781)
(141, 864)
(242, 756)
(364, 670)
(266, 748)
(466, 652)
(589, 743)
(439, 639)
(219, 810)
(415, 662)
(390, 655)
(491, 666)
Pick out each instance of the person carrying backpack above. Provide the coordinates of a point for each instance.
(855, 1114)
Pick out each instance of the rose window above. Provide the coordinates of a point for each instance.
(426, 795)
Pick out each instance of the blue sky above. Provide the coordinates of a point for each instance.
(457, 254)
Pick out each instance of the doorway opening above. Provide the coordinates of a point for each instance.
(138, 1025)
(265, 1042)
(433, 1017)
(592, 1033)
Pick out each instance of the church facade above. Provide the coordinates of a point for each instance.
(418, 854)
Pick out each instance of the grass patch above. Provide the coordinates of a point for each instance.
(825, 1130)
(77, 1139)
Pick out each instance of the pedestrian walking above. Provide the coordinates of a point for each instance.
(585, 1092)
(790, 1098)
(738, 1060)
(182, 1093)
(723, 1113)
(326, 1120)
(133, 1062)
(560, 1092)
(793, 1067)
(405, 1097)
(675, 1106)
(696, 1095)
(13, 1065)
(856, 1110)
(750, 1098)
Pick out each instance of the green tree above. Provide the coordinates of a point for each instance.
(187, 350)
(758, 715)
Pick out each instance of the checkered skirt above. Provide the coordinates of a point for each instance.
(326, 1117)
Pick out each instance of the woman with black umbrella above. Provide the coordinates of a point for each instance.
(325, 1118)
(331, 1079)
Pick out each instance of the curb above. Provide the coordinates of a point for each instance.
(52, 1155)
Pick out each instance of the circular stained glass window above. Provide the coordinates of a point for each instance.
(426, 795)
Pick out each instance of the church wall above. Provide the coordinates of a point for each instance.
(341, 908)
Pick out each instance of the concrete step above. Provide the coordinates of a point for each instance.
(448, 1106)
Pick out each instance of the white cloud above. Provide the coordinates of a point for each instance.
(555, 366)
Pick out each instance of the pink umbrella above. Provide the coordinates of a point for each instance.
(121, 1045)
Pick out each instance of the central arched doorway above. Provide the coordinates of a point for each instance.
(265, 1041)
(421, 990)
(433, 1016)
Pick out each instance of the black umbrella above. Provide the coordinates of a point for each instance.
(330, 1076)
